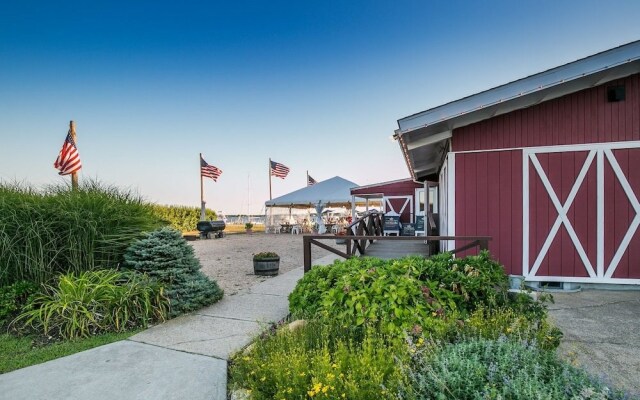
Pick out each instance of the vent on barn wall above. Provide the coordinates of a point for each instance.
(615, 93)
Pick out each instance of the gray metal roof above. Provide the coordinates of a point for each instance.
(423, 136)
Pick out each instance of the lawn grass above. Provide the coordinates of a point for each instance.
(20, 352)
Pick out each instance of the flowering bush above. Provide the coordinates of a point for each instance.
(322, 362)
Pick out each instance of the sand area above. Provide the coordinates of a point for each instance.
(229, 260)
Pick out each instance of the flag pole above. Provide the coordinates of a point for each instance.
(270, 196)
(202, 208)
(74, 175)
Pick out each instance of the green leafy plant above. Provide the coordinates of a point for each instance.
(248, 226)
(182, 218)
(322, 361)
(500, 369)
(94, 302)
(500, 322)
(165, 256)
(45, 233)
(13, 298)
(265, 255)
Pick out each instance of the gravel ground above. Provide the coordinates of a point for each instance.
(229, 260)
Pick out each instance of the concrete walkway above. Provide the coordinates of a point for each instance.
(602, 334)
(185, 358)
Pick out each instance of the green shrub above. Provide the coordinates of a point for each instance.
(182, 218)
(13, 298)
(95, 302)
(408, 294)
(166, 256)
(494, 323)
(500, 369)
(474, 280)
(319, 360)
(47, 233)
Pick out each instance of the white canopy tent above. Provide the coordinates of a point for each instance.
(330, 193)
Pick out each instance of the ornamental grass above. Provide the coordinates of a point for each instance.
(45, 233)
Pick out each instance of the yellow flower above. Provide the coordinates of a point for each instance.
(334, 365)
(311, 393)
(245, 358)
(343, 395)
(302, 374)
(330, 376)
(324, 389)
(289, 390)
(341, 375)
(264, 378)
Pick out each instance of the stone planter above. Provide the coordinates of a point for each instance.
(266, 266)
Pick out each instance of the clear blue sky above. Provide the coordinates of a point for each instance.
(316, 85)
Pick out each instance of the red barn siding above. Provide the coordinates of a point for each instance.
(581, 117)
(489, 202)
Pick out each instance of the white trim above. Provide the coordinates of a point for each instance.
(562, 213)
(600, 215)
(623, 281)
(599, 152)
(525, 215)
(636, 220)
(451, 199)
(408, 199)
(561, 148)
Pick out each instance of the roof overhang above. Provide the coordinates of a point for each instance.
(424, 137)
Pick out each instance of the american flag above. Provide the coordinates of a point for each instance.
(68, 160)
(209, 171)
(279, 170)
(310, 181)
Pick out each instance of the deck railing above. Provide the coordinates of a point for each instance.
(368, 229)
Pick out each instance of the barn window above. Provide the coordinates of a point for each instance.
(615, 93)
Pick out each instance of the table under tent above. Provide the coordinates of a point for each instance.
(326, 206)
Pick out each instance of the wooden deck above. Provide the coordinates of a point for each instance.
(393, 249)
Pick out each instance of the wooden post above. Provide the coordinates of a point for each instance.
(270, 197)
(74, 175)
(203, 215)
(306, 249)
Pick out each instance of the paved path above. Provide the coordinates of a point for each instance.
(185, 358)
(602, 333)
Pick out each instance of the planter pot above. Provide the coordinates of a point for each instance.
(516, 281)
(266, 266)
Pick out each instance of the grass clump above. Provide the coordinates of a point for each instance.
(94, 302)
(56, 230)
(167, 257)
(321, 361)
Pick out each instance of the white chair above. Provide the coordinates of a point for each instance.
(296, 230)
(335, 229)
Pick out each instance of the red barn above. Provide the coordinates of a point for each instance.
(403, 197)
(548, 165)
